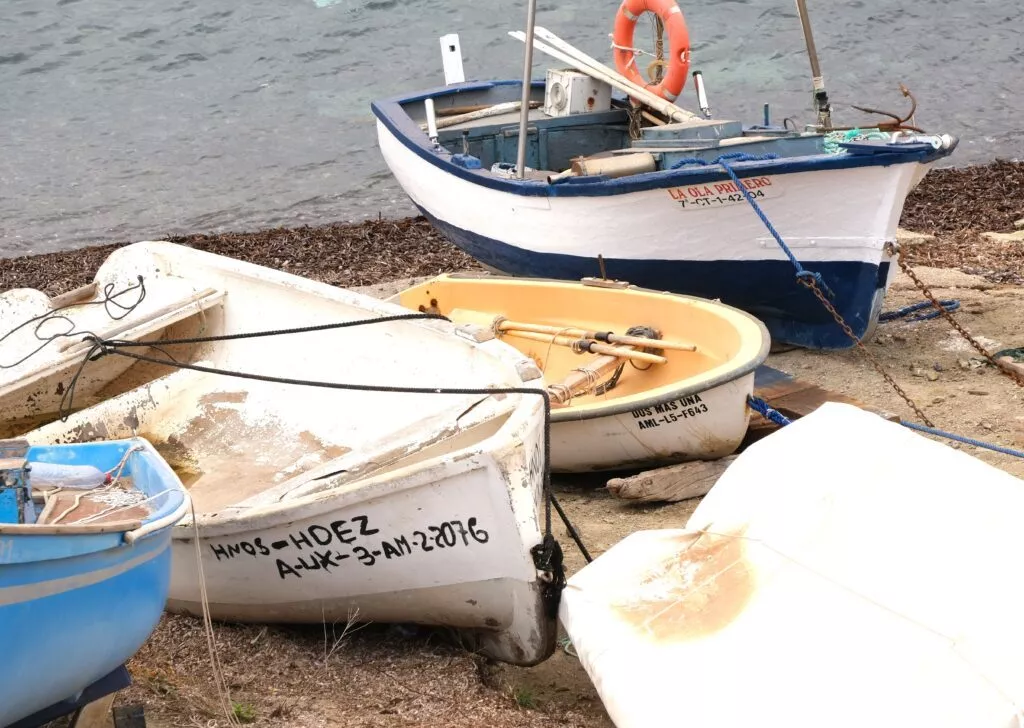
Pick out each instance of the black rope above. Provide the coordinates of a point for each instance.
(570, 528)
(52, 315)
(117, 343)
(547, 555)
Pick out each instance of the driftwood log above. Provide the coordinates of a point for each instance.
(672, 483)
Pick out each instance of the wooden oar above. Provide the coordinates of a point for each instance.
(562, 392)
(489, 321)
(592, 346)
(599, 335)
(517, 328)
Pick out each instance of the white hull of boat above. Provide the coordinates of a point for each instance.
(701, 426)
(445, 542)
(685, 226)
(318, 504)
(854, 213)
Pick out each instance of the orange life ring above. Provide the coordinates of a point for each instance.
(679, 44)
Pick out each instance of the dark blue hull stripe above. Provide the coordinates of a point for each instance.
(767, 289)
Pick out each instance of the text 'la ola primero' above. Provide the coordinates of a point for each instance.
(696, 192)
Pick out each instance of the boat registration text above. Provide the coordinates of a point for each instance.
(325, 547)
(719, 194)
(668, 412)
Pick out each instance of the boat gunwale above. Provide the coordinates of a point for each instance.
(738, 367)
(174, 254)
(392, 117)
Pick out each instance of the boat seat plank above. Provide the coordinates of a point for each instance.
(159, 319)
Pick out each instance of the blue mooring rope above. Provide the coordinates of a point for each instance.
(801, 272)
(950, 304)
(761, 407)
(961, 438)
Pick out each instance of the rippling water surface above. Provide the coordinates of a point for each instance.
(128, 120)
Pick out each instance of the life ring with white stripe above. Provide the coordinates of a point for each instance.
(679, 45)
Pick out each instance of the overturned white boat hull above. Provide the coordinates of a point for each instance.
(835, 575)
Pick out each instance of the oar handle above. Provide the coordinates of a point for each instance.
(598, 348)
(586, 345)
(643, 341)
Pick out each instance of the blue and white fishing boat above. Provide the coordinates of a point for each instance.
(85, 563)
(563, 175)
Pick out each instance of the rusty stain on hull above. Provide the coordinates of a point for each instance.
(223, 459)
(694, 593)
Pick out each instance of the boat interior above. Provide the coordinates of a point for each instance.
(109, 486)
(609, 130)
(712, 340)
(242, 441)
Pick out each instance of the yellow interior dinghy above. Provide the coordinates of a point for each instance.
(636, 377)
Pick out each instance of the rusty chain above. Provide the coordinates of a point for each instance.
(1017, 378)
(810, 283)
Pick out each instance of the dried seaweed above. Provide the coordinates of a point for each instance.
(340, 254)
(988, 197)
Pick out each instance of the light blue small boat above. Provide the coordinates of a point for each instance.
(85, 563)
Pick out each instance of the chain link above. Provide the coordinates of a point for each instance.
(955, 324)
(810, 283)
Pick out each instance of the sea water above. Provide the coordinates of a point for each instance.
(126, 120)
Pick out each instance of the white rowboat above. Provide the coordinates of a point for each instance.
(835, 575)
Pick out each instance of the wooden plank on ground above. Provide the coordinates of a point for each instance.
(794, 398)
(672, 483)
(96, 714)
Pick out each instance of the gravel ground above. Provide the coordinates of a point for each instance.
(344, 254)
(978, 198)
